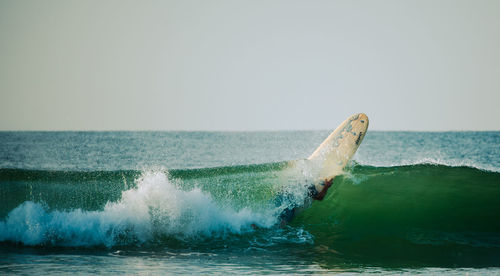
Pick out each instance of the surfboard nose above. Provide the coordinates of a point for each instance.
(362, 118)
(359, 119)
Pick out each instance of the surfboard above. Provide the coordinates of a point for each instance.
(338, 148)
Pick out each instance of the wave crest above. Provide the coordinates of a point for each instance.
(154, 209)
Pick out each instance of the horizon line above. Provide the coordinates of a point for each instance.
(217, 130)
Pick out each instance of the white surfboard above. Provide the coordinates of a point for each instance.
(338, 148)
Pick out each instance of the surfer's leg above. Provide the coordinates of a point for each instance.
(326, 185)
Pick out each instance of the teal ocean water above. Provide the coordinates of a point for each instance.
(185, 203)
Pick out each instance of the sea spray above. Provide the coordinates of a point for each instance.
(154, 208)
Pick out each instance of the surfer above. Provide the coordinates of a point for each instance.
(312, 194)
(320, 195)
(289, 213)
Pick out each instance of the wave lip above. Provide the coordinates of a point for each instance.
(450, 163)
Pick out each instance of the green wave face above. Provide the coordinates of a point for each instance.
(429, 213)
(433, 197)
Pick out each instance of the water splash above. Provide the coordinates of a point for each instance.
(155, 208)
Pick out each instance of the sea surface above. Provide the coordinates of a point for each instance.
(206, 203)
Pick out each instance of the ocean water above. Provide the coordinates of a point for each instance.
(186, 203)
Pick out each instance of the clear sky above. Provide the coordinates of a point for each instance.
(249, 65)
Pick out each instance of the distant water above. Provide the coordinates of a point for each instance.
(185, 202)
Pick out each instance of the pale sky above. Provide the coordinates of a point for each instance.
(249, 65)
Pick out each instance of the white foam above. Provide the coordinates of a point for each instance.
(447, 162)
(155, 208)
(430, 160)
